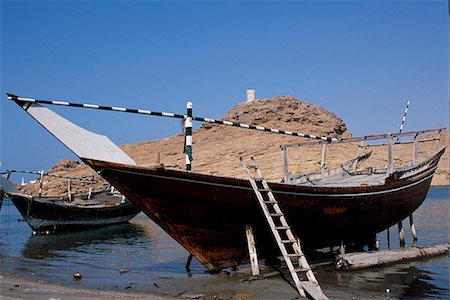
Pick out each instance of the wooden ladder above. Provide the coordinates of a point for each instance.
(288, 244)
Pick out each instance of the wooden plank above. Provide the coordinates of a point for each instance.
(401, 234)
(391, 159)
(323, 161)
(252, 250)
(313, 291)
(285, 164)
(415, 149)
(354, 261)
(413, 228)
(69, 190)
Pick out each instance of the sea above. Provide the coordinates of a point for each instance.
(137, 253)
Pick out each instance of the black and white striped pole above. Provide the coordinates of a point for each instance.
(188, 137)
(188, 153)
(404, 118)
(25, 103)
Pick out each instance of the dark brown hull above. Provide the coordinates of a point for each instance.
(207, 214)
(52, 214)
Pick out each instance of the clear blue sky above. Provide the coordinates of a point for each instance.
(359, 59)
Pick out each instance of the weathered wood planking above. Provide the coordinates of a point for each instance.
(252, 250)
(354, 261)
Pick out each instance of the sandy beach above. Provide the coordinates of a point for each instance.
(225, 285)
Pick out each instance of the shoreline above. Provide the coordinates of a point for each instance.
(18, 287)
(224, 285)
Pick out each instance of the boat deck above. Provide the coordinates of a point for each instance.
(343, 180)
(97, 201)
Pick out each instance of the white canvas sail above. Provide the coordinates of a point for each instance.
(84, 143)
(7, 186)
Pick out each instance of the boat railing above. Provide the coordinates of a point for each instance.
(390, 140)
(91, 180)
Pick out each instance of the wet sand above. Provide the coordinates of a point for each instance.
(225, 285)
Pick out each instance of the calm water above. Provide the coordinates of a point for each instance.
(144, 250)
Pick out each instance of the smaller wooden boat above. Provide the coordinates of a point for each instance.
(70, 212)
(60, 213)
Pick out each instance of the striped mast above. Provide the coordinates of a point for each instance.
(188, 152)
(188, 137)
(26, 102)
(404, 118)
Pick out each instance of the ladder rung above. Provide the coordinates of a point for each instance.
(296, 270)
(288, 241)
(265, 190)
(282, 227)
(250, 166)
(276, 215)
(257, 179)
(270, 202)
(295, 255)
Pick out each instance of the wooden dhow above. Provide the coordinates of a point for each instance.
(72, 211)
(56, 214)
(207, 214)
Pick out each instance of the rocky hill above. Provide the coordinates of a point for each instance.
(217, 148)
